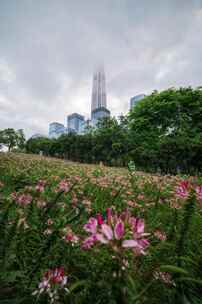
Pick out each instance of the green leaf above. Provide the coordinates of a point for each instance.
(12, 276)
(173, 269)
(188, 260)
(143, 291)
(77, 285)
(191, 280)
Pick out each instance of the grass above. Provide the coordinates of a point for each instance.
(44, 205)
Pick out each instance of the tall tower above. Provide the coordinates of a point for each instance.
(99, 98)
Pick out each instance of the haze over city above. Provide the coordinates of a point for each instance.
(49, 50)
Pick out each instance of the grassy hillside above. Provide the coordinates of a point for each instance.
(68, 230)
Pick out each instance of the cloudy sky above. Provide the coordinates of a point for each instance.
(50, 48)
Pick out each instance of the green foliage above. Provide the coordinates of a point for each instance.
(162, 133)
(131, 166)
(166, 129)
(11, 138)
(32, 236)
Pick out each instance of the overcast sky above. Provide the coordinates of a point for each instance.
(50, 48)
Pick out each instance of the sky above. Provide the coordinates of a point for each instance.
(49, 50)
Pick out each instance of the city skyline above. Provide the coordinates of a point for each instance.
(48, 51)
(77, 123)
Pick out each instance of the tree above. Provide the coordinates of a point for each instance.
(35, 145)
(166, 130)
(20, 139)
(9, 138)
(111, 141)
(162, 131)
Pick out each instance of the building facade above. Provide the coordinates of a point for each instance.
(99, 97)
(98, 114)
(135, 99)
(75, 123)
(56, 129)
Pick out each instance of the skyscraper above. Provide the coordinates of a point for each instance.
(75, 123)
(56, 129)
(99, 97)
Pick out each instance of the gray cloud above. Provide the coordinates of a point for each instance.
(49, 49)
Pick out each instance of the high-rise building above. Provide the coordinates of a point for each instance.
(75, 123)
(56, 129)
(99, 97)
(86, 126)
(98, 114)
(135, 99)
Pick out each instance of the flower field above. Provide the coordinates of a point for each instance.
(72, 233)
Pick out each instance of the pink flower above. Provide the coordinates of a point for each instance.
(100, 219)
(164, 277)
(185, 184)
(160, 235)
(115, 232)
(182, 190)
(49, 222)
(138, 245)
(44, 284)
(119, 230)
(91, 226)
(107, 231)
(137, 225)
(130, 203)
(77, 178)
(125, 215)
(141, 197)
(143, 243)
(24, 199)
(109, 215)
(199, 192)
(53, 281)
(89, 242)
(40, 186)
(64, 186)
(70, 236)
(54, 276)
(130, 243)
(138, 241)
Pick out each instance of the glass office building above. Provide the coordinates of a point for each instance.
(56, 129)
(75, 123)
(99, 97)
(98, 114)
